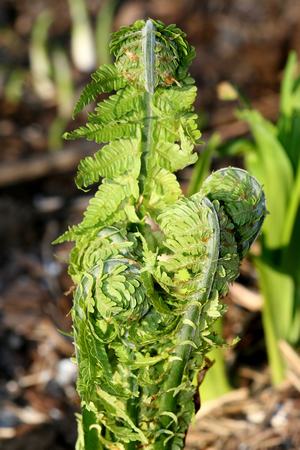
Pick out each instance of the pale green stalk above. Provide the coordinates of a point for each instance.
(39, 59)
(14, 85)
(148, 52)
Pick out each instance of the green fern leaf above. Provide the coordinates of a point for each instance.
(174, 100)
(101, 212)
(73, 233)
(125, 102)
(161, 189)
(111, 161)
(105, 208)
(105, 79)
(185, 230)
(172, 157)
(104, 132)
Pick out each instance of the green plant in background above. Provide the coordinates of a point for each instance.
(50, 69)
(64, 97)
(149, 264)
(13, 88)
(104, 27)
(39, 60)
(51, 77)
(273, 156)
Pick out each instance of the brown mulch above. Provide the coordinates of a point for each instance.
(245, 420)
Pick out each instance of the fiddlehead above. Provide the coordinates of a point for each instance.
(149, 264)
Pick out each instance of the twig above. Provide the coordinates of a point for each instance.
(36, 167)
(291, 357)
(233, 396)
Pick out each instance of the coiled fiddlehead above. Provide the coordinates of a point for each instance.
(148, 263)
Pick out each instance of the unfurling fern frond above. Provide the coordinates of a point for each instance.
(243, 201)
(150, 265)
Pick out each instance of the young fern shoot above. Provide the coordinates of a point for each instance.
(148, 263)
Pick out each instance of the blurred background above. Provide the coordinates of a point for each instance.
(248, 103)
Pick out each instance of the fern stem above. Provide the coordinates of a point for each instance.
(148, 50)
(133, 411)
(146, 141)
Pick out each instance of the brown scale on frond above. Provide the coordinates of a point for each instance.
(169, 80)
(129, 76)
(132, 56)
(205, 238)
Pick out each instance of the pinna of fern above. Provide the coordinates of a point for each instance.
(149, 264)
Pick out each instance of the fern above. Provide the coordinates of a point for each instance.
(149, 264)
(125, 102)
(111, 161)
(161, 189)
(105, 79)
(172, 157)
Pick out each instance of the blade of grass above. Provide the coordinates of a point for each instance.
(286, 103)
(289, 120)
(64, 98)
(278, 292)
(63, 83)
(274, 158)
(292, 209)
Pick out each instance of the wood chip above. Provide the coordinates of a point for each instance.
(39, 166)
(291, 357)
(246, 298)
(232, 396)
(7, 433)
